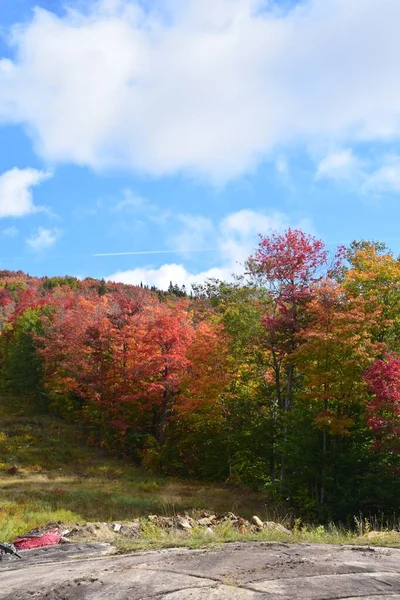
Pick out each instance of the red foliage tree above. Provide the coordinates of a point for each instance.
(288, 265)
(161, 334)
(75, 352)
(383, 378)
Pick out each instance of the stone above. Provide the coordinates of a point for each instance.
(250, 571)
(277, 527)
(257, 522)
(183, 523)
(206, 521)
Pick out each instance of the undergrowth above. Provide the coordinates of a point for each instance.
(48, 474)
(154, 537)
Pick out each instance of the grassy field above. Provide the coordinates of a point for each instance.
(48, 474)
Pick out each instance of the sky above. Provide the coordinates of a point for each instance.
(154, 140)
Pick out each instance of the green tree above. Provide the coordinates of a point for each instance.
(21, 365)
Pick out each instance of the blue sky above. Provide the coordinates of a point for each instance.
(180, 129)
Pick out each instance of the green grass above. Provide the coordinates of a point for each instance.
(155, 538)
(49, 474)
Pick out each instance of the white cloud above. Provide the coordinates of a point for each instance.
(379, 176)
(234, 239)
(239, 232)
(16, 193)
(386, 178)
(43, 239)
(208, 87)
(342, 164)
(162, 276)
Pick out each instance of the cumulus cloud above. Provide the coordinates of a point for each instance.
(377, 176)
(43, 239)
(162, 276)
(234, 239)
(16, 191)
(205, 87)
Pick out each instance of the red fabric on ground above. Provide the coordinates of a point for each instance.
(47, 539)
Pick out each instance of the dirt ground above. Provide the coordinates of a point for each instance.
(251, 571)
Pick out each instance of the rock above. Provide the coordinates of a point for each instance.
(131, 529)
(226, 518)
(92, 532)
(209, 531)
(183, 523)
(65, 532)
(257, 522)
(167, 522)
(232, 516)
(249, 571)
(206, 521)
(153, 518)
(163, 522)
(242, 525)
(116, 527)
(277, 527)
(204, 513)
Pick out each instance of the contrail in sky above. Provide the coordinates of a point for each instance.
(105, 254)
(152, 252)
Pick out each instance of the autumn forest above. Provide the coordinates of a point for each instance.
(286, 380)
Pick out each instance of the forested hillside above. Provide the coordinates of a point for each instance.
(287, 380)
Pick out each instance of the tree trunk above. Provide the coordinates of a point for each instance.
(164, 407)
(164, 417)
(289, 389)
